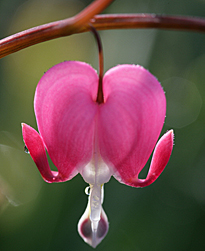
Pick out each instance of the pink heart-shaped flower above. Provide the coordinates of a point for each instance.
(115, 138)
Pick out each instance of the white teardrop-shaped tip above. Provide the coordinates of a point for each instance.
(93, 232)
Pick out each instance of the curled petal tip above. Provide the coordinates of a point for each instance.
(36, 148)
(159, 161)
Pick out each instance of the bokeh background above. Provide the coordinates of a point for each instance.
(169, 214)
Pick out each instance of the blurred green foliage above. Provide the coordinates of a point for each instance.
(168, 215)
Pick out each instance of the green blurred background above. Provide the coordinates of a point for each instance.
(169, 214)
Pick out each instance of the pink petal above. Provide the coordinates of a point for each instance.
(65, 112)
(160, 159)
(34, 143)
(131, 119)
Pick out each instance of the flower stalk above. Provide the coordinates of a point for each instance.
(100, 98)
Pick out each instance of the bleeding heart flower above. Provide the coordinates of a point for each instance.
(98, 140)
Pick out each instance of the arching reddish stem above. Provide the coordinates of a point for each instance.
(74, 25)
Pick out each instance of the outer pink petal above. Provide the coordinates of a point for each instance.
(131, 119)
(65, 112)
(34, 143)
(160, 159)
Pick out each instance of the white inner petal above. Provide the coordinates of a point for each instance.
(95, 205)
(96, 173)
(93, 231)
